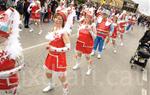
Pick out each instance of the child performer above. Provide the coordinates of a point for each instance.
(85, 42)
(35, 8)
(59, 44)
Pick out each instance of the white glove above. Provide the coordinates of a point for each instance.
(64, 49)
(49, 36)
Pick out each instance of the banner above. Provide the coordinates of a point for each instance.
(130, 6)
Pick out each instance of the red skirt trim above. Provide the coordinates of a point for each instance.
(9, 83)
(85, 49)
(56, 62)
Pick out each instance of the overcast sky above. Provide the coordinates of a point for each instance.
(144, 6)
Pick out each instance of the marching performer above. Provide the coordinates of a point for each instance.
(59, 44)
(113, 33)
(72, 14)
(122, 25)
(10, 52)
(103, 29)
(34, 9)
(85, 42)
(131, 22)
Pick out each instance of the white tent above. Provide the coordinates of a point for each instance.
(144, 6)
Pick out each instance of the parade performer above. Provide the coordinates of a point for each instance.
(131, 22)
(85, 42)
(103, 29)
(113, 33)
(122, 23)
(59, 44)
(72, 14)
(34, 9)
(11, 59)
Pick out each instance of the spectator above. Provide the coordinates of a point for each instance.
(19, 8)
(54, 5)
(2, 5)
(78, 12)
(44, 9)
(26, 13)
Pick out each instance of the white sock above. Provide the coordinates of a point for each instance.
(50, 82)
(89, 67)
(78, 60)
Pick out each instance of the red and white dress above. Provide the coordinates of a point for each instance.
(56, 61)
(34, 15)
(115, 32)
(11, 82)
(122, 25)
(132, 20)
(85, 41)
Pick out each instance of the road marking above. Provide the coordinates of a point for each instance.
(144, 91)
(35, 46)
(41, 44)
(144, 75)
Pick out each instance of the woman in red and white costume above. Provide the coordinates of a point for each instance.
(59, 44)
(10, 52)
(113, 33)
(72, 14)
(122, 23)
(85, 41)
(34, 9)
(131, 22)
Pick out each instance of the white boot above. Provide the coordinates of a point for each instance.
(48, 88)
(40, 32)
(121, 44)
(76, 66)
(89, 70)
(104, 47)
(31, 30)
(65, 91)
(99, 56)
(93, 53)
(115, 51)
(36, 23)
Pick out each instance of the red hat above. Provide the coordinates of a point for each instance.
(63, 13)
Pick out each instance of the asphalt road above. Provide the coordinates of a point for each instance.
(112, 74)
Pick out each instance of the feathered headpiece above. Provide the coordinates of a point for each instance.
(11, 22)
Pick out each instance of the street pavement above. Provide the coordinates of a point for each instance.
(112, 74)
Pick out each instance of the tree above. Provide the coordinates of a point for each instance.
(81, 1)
